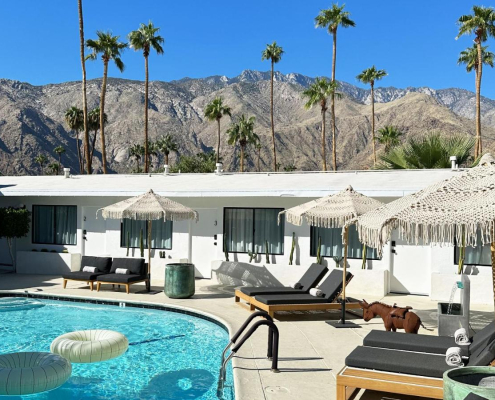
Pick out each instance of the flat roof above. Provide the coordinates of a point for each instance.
(373, 183)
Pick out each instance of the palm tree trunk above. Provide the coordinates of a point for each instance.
(102, 117)
(373, 121)
(478, 148)
(242, 158)
(146, 167)
(273, 127)
(334, 62)
(79, 152)
(323, 144)
(85, 100)
(259, 156)
(59, 163)
(492, 249)
(93, 145)
(166, 159)
(218, 141)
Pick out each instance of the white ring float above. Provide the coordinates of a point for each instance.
(29, 372)
(90, 346)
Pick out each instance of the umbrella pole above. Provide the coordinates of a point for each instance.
(149, 255)
(344, 274)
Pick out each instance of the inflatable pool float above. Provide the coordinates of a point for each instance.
(29, 373)
(18, 303)
(90, 346)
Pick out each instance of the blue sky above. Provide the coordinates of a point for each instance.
(413, 40)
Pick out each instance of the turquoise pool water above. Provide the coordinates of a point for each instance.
(171, 355)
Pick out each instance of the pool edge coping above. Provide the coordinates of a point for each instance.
(164, 306)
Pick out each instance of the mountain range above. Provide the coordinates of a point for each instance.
(32, 119)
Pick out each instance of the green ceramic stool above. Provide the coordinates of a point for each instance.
(179, 281)
(459, 383)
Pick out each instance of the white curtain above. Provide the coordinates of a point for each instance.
(65, 224)
(55, 225)
(161, 233)
(238, 226)
(267, 229)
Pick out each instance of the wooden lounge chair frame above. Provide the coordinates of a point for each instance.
(98, 284)
(271, 309)
(90, 283)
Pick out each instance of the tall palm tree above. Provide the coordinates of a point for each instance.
(145, 39)
(59, 150)
(74, 119)
(54, 167)
(94, 125)
(272, 52)
(110, 49)
(331, 19)
(318, 93)
(137, 151)
(482, 24)
(371, 75)
(84, 97)
(214, 111)
(429, 151)
(41, 160)
(167, 144)
(389, 136)
(242, 133)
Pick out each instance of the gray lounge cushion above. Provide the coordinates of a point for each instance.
(310, 279)
(421, 364)
(134, 265)
(82, 276)
(120, 278)
(483, 337)
(406, 341)
(102, 264)
(303, 298)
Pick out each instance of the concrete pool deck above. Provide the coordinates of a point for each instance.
(311, 352)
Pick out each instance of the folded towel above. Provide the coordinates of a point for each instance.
(461, 337)
(453, 357)
(89, 269)
(295, 285)
(316, 292)
(123, 271)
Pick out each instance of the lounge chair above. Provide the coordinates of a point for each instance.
(102, 264)
(310, 279)
(137, 273)
(427, 343)
(331, 288)
(401, 372)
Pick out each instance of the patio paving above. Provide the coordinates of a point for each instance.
(311, 351)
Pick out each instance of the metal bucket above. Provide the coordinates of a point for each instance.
(179, 280)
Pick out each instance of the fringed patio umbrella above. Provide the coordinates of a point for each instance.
(148, 207)
(452, 210)
(333, 211)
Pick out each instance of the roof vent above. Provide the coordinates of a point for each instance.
(219, 169)
(453, 161)
(66, 173)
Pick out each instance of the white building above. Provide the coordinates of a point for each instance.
(236, 209)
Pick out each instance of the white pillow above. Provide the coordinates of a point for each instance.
(89, 269)
(123, 271)
(295, 285)
(316, 292)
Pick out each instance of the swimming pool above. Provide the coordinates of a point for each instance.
(171, 355)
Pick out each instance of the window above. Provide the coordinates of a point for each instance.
(331, 243)
(479, 255)
(250, 229)
(55, 225)
(161, 234)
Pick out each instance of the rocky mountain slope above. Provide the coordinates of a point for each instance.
(32, 119)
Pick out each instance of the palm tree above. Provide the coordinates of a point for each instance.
(84, 97)
(258, 148)
(146, 38)
(331, 19)
(318, 93)
(482, 24)
(137, 151)
(74, 119)
(214, 111)
(166, 144)
(242, 133)
(41, 160)
(54, 167)
(152, 152)
(94, 125)
(110, 49)
(371, 75)
(272, 52)
(429, 151)
(59, 150)
(389, 136)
